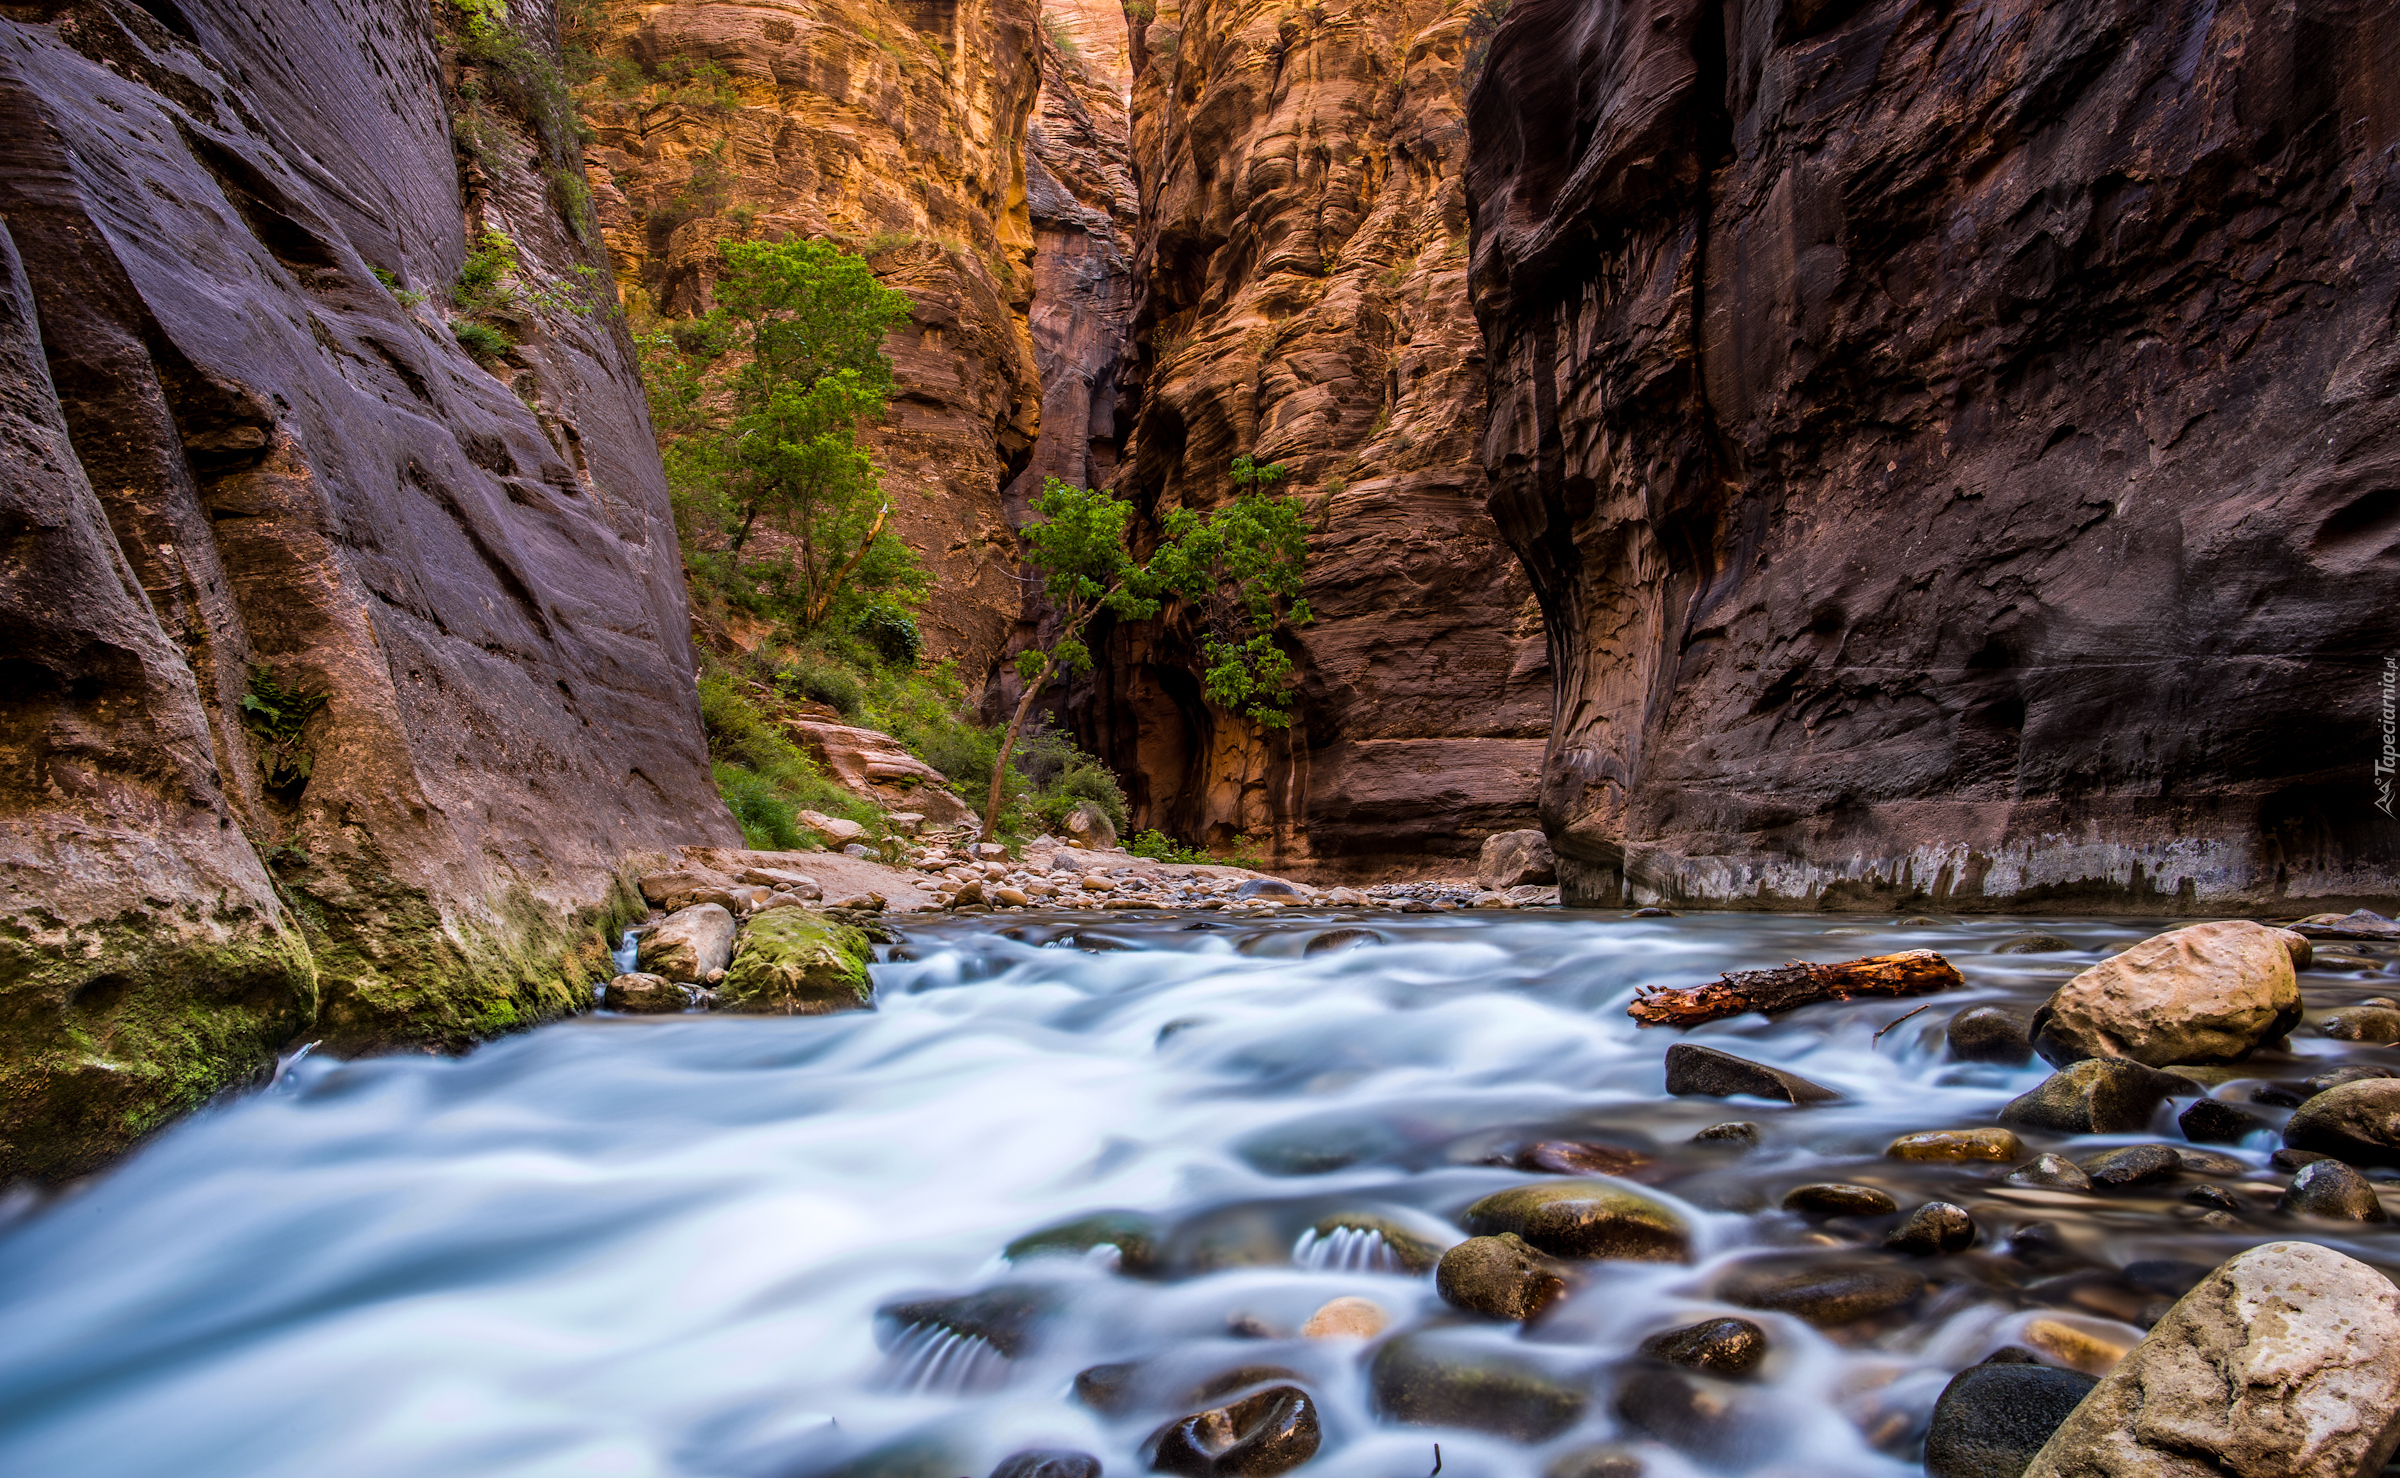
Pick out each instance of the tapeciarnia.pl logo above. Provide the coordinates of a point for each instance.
(2385, 762)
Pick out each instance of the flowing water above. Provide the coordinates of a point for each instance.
(706, 1246)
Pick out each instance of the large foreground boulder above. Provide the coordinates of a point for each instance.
(2285, 1361)
(2209, 993)
(797, 962)
(689, 944)
(2357, 1121)
(1510, 858)
(2103, 1095)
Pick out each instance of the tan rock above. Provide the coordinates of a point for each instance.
(835, 829)
(2207, 993)
(688, 943)
(1347, 1318)
(2285, 1361)
(779, 879)
(1958, 1144)
(1013, 897)
(1511, 858)
(2074, 1345)
(638, 994)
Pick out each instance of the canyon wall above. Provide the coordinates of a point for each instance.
(341, 667)
(1303, 298)
(1957, 448)
(896, 128)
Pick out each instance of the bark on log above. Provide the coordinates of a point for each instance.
(1913, 972)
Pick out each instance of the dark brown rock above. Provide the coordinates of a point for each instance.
(230, 449)
(1992, 1418)
(2103, 1095)
(2055, 1171)
(2214, 1121)
(2375, 1024)
(1581, 1157)
(1829, 1295)
(644, 995)
(1687, 1414)
(1704, 1071)
(1591, 1218)
(1271, 1432)
(2331, 1191)
(1427, 1381)
(2355, 1073)
(2358, 1122)
(2032, 944)
(1499, 1276)
(2133, 1165)
(1827, 363)
(1737, 1134)
(1834, 1199)
(1933, 1230)
(1723, 1347)
(1048, 1463)
(1988, 1034)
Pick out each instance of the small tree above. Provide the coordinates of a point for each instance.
(1077, 544)
(810, 319)
(1241, 569)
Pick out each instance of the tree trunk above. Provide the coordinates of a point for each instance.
(833, 584)
(743, 537)
(1915, 972)
(1008, 745)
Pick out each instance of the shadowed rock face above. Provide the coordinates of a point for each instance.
(230, 448)
(897, 128)
(1955, 447)
(1303, 298)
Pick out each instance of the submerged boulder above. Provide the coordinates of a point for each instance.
(1584, 1218)
(1271, 1432)
(2284, 1361)
(2208, 993)
(1430, 1382)
(1992, 1418)
(797, 962)
(2103, 1095)
(1704, 1071)
(1500, 1276)
(689, 944)
(2358, 1122)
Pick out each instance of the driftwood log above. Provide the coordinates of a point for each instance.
(1914, 972)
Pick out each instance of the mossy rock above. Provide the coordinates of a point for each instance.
(1584, 1218)
(797, 962)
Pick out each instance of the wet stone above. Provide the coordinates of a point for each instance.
(1988, 1034)
(1725, 1347)
(1498, 1276)
(1107, 1388)
(1334, 939)
(1992, 1418)
(1272, 1432)
(1349, 1317)
(1583, 1219)
(2214, 1197)
(2208, 1162)
(2288, 1158)
(1132, 1234)
(1835, 1199)
(1704, 1071)
(2134, 1165)
(1828, 1296)
(2102, 1095)
(2038, 1244)
(1425, 1383)
(1580, 1157)
(1996, 1145)
(2331, 1191)
(1737, 1134)
(1412, 1252)
(638, 994)
(2214, 1121)
(2374, 1024)
(2355, 1073)
(2358, 1122)
(1003, 1318)
(2031, 944)
(1933, 1230)
(2169, 1276)
(1048, 1462)
(1684, 1413)
(1605, 1461)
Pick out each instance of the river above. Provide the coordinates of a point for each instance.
(660, 1246)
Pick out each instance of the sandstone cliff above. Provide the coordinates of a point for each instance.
(896, 128)
(1955, 446)
(341, 668)
(1303, 272)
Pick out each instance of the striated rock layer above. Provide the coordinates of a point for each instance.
(894, 127)
(1303, 271)
(232, 450)
(1957, 448)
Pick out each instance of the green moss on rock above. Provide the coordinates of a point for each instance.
(797, 962)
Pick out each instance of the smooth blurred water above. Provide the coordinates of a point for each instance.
(658, 1246)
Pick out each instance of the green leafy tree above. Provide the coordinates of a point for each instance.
(804, 323)
(1241, 570)
(1077, 545)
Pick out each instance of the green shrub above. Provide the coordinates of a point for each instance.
(815, 678)
(480, 339)
(891, 633)
(1059, 775)
(1159, 847)
(769, 820)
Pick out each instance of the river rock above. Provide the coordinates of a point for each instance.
(1348, 1317)
(1498, 1276)
(1934, 1229)
(1607, 1460)
(2341, 962)
(2208, 1162)
(2361, 924)
(781, 880)
(2331, 1191)
(1047, 1462)
(2134, 1164)
(1089, 828)
(1429, 1382)
(688, 943)
(1832, 1198)
(2207, 993)
(2102, 1095)
(1514, 858)
(680, 888)
(2055, 1172)
(2377, 1024)
(2357, 1072)
(1583, 1218)
(1827, 1295)
(1133, 1234)
(1725, 1347)
(2214, 1121)
(798, 962)
(1271, 890)
(2032, 944)
(2358, 1122)
(1411, 1251)
(1336, 939)
(1271, 1432)
(1736, 1134)
(1004, 1318)
(1692, 1416)
(1957, 1145)
(1696, 1070)
(1988, 1034)
(2284, 1361)
(1580, 1157)
(1992, 1418)
(644, 995)
(835, 829)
